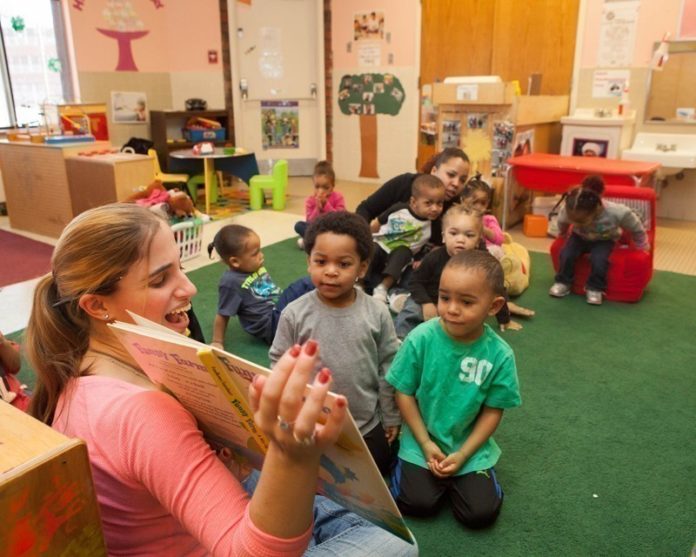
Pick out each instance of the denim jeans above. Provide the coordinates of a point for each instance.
(599, 250)
(409, 318)
(341, 533)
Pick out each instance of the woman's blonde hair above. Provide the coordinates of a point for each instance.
(95, 250)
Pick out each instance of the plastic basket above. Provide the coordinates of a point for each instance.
(189, 238)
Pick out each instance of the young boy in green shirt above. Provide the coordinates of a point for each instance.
(454, 376)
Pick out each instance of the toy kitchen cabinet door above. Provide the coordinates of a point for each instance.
(278, 77)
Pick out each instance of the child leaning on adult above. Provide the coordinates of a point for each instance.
(451, 165)
(161, 489)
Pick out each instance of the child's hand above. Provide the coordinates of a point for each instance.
(217, 345)
(511, 326)
(451, 464)
(429, 311)
(433, 455)
(391, 432)
(375, 226)
(416, 264)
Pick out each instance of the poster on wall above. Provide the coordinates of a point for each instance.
(617, 33)
(369, 55)
(609, 83)
(280, 124)
(590, 147)
(129, 108)
(368, 26)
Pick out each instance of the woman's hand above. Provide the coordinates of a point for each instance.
(296, 423)
(375, 226)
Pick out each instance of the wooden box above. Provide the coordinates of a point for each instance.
(47, 500)
(100, 179)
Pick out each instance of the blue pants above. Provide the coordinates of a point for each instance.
(409, 318)
(341, 533)
(599, 250)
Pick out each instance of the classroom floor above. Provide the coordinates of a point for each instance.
(674, 245)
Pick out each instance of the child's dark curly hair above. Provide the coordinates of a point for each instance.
(484, 261)
(230, 241)
(341, 222)
(587, 197)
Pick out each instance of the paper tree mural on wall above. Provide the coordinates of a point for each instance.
(367, 95)
(125, 27)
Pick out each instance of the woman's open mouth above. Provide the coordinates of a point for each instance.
(178, 317)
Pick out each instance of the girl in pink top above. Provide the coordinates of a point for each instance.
(325, 198)
(161, 489)
(478, 195)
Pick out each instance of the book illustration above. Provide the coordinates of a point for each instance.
(213, 385)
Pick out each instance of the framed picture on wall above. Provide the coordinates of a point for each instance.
(129, 108)
(368, 25)
(583, 147)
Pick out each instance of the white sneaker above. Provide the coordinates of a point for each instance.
(593, 297)
(300, 243)
(380, 294)
(397, 301)
(558, 290)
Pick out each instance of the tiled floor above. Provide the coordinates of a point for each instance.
(674, 250)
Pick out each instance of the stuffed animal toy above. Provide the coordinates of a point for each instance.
(170, 204)
(516, 266)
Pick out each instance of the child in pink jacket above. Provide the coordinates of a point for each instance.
(325, 198)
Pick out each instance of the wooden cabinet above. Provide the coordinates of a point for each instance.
(101, 179)
(167, 130)
(47, 500)
(491, 123)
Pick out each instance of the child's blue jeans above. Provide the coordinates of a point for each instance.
(599, 251)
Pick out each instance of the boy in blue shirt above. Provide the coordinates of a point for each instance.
(454, 376)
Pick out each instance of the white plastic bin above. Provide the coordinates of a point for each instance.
(189, 238)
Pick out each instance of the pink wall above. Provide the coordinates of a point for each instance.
(399, 20)
(180, 35)
(655, 17)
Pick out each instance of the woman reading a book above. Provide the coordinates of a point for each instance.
(161, 489)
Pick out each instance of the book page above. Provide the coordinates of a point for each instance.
(213, 385)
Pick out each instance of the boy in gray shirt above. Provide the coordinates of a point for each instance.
(356, 336)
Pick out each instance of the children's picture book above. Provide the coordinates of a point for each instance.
(213, 385)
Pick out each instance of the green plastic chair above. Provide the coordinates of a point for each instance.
(277, 181)
(199, 180)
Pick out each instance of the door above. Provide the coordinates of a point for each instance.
(277, 80)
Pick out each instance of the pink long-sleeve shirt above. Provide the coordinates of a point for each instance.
(489, 221)
(334, 202)
(161, 490)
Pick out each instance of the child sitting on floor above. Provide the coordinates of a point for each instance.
(355, 333)
(402, 231)
(454, 376)
(478, 196)
(462, 231)
(325, 199)
(246, 289)
(597, 225)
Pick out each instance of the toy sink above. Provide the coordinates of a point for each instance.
(673, 151)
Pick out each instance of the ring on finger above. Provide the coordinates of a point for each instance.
(284, 424)
(304, 441)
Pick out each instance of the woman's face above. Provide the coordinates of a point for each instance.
(453, 173)
(155, 287)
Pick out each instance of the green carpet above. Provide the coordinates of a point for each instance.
(600, 458)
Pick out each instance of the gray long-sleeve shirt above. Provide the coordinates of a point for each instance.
(608, 224)
(356, 343)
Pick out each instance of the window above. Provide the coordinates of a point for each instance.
(34, 68)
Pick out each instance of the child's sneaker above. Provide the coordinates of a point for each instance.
(380, 294)
(558, 290)
(397, 301)
(300, 243)
(593, 297)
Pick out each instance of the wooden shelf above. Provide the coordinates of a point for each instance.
(167, 124)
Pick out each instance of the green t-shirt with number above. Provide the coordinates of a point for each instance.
(451, 381)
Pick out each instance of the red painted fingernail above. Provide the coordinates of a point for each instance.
(310, 347)
(341, 402)
(295, 351)
(324, 376)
